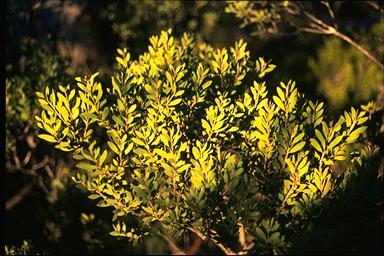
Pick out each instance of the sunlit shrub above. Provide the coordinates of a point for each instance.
(186, 136)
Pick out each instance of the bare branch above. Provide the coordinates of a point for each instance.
(359, 47)
(16, 199)
(31, 171)
(27, 157)
(49, 171)
(313, 30)
(315, 20)
(194, 248)
(172, 244)
(292, 8)
(376, 6)
(226, 250)
(327, 29)
(330, 11)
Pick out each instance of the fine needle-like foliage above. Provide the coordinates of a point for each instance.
(187, 136)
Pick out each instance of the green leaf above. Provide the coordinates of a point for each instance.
(316, 145)
(327, 188)
(297, 147)
(118, 120)
(340, 157)
(298, 138)
(103, 157)
(129, 148)
(195, 153)
(78, 157)
(260, 126)
(206, 84)
(183, 168)
(233, 129)
(320, 137)
(138, 142)
(169, 77)
(356, 133)
(47, 137)
(132, 108)
(335, 142)
(94, 196)
(325, 129)
(149, 89)
(260, 233)
(280, 93)
(174, 102)
(205, 125)
(162, 153)
(278, 102)
(275, 236)
(115, 233)
(362, 120)
(260, 136)
(113, 147)
(86, 166)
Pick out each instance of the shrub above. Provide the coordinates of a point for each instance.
(38, 178)
(24, 154)
(186, 136)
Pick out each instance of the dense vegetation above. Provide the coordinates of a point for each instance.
(197, 143)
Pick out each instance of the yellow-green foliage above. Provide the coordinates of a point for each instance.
(38, 67)
(187, 136)
(265, 15)
(24, 249)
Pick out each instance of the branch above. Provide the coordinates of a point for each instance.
(226, 250)
(331, 13)
(16, 199)
(313, 30)
(194, 248)
(359, 47)
(376, 6)
(315, 20)
(9, 167)
(172, 244)
(27, 157)
(327, 29)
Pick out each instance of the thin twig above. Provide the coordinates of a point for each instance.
(312, 30)
(331, 13)
(16, 199)
(27, 157)
(359, 47)
(315, 20)
(9, 167)
(327, 29)
(376, 6)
